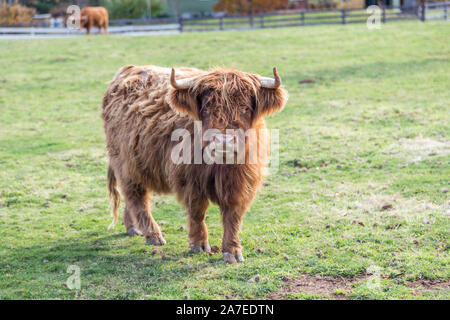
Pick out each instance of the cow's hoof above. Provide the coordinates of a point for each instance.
(159, 241)
(133, 232)
(195, 248)
(230, 258)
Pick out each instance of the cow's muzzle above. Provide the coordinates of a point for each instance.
(224, 143)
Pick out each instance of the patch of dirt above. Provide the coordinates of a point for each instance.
(428, 284)
(317, 284)
(307, 81)
(328, 286)
(380, 202)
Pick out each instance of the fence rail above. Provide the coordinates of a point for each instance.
(153, 21)
(437, 4)
(298, 18)
(438, 10)
(127, 29)
(267, 20)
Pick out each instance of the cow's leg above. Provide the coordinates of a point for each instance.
(129, 223)
(198, 233)
(231, 245)
(137, 199)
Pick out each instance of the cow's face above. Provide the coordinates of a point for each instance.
(222, 110)
(83, 21)
(70, 19)
(227, 102)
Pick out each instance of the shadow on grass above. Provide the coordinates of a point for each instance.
(110, 267)
(107, 253)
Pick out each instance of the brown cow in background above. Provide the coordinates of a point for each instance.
(94, 17)
(142, 108)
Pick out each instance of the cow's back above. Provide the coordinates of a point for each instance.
(139, 123)
(97, 15)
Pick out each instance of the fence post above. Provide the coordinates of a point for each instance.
(251, 20)
(180, 24)
(422, 12)
(445, 10)
(262, 21)
(383, 15)
(343, 16)
(302, 18)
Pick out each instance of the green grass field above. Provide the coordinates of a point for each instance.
(361, 192)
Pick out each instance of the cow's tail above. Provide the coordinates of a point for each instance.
(114, 195)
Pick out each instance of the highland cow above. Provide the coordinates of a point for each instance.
(143, 106)
(94, 17)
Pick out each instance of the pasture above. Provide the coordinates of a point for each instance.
(359, 208)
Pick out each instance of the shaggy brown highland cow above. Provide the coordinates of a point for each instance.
(94, 17)
(143, 106)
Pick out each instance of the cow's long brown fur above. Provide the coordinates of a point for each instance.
(94, 17)
(140, 112)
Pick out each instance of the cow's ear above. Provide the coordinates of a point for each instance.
(270, 101)
(184, 102)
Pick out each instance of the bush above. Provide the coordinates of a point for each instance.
(249, 6)
(131, 9)
(321, 4)
(42, 6)
(60, 10)
(16, 14)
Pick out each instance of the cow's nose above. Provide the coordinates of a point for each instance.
(225, 142)
(225, 139)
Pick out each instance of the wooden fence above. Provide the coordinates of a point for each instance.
(289, 19)
(425, 12)
(434, 10)
(53, 32)
(124, 22)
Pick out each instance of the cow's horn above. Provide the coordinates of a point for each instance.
(271, 83)
(182, 83)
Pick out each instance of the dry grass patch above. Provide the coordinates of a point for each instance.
(418, 149)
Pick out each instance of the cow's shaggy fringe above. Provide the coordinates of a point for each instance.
(141, 110)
